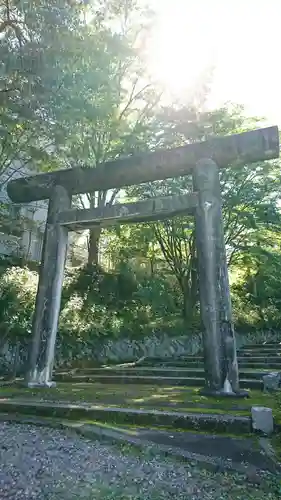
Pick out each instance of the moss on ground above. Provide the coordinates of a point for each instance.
(145, 396)
(133, 429)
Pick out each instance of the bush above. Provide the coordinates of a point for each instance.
(99, 306)
(17, 298)
(96, 305)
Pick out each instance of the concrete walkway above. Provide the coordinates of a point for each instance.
(238, 450)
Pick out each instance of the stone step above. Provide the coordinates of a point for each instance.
(262, 346)
(168, 361)
(139, 371)
(156, 371)
(252, 374)
(197, 362)
(261, 359)
(260, 366)
(190, 361)
(261, 363)
(203, 421)
(151, 361)
(131, 379)
(171, 359)
(152, 380)
(260, 352)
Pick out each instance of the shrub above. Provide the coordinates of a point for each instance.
(17, 298)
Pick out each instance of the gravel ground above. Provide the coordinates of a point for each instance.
(47, 464)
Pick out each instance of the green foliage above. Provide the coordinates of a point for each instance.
(33, 46)
(257, 287)
(99, 304)
(73, 87)
(17, 298)
(251, 209)
(75, 93)
(96, 305)
(67, 86)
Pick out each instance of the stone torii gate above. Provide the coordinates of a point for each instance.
(203, 161)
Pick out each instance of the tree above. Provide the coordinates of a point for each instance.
(250, 195)
(44, 69)
(36, 40)
(115, 119)
(74, 88)
(256, 285)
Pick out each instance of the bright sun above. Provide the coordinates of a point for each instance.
(238, 39)
(178, 53)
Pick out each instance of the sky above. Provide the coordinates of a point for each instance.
(239, 40)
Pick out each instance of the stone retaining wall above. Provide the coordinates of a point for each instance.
(166, 346)
(123, 350)
(159, 346)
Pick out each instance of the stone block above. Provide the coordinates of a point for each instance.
(262, 419)
(271, 382)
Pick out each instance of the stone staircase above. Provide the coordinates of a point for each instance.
(158, 402)
(254, 361)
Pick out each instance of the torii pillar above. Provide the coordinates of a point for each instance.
(47, 307)
(221, 368)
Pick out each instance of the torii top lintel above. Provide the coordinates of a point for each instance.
(247, 147)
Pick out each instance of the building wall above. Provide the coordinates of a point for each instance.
(28, 242)
(33, 216)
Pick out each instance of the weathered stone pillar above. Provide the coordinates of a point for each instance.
(47, 308)
(221, 370)
(230, 365)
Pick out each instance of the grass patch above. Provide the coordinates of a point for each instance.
(145, 397)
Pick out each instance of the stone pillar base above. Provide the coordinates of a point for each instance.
(40, 385)
(39, 379)
(223, 394)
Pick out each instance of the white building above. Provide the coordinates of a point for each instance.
(26, 239)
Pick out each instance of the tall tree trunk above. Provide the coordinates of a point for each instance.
(189, 300)
(16, 360)
(186, 308)
(190, 289)
(93, 246)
